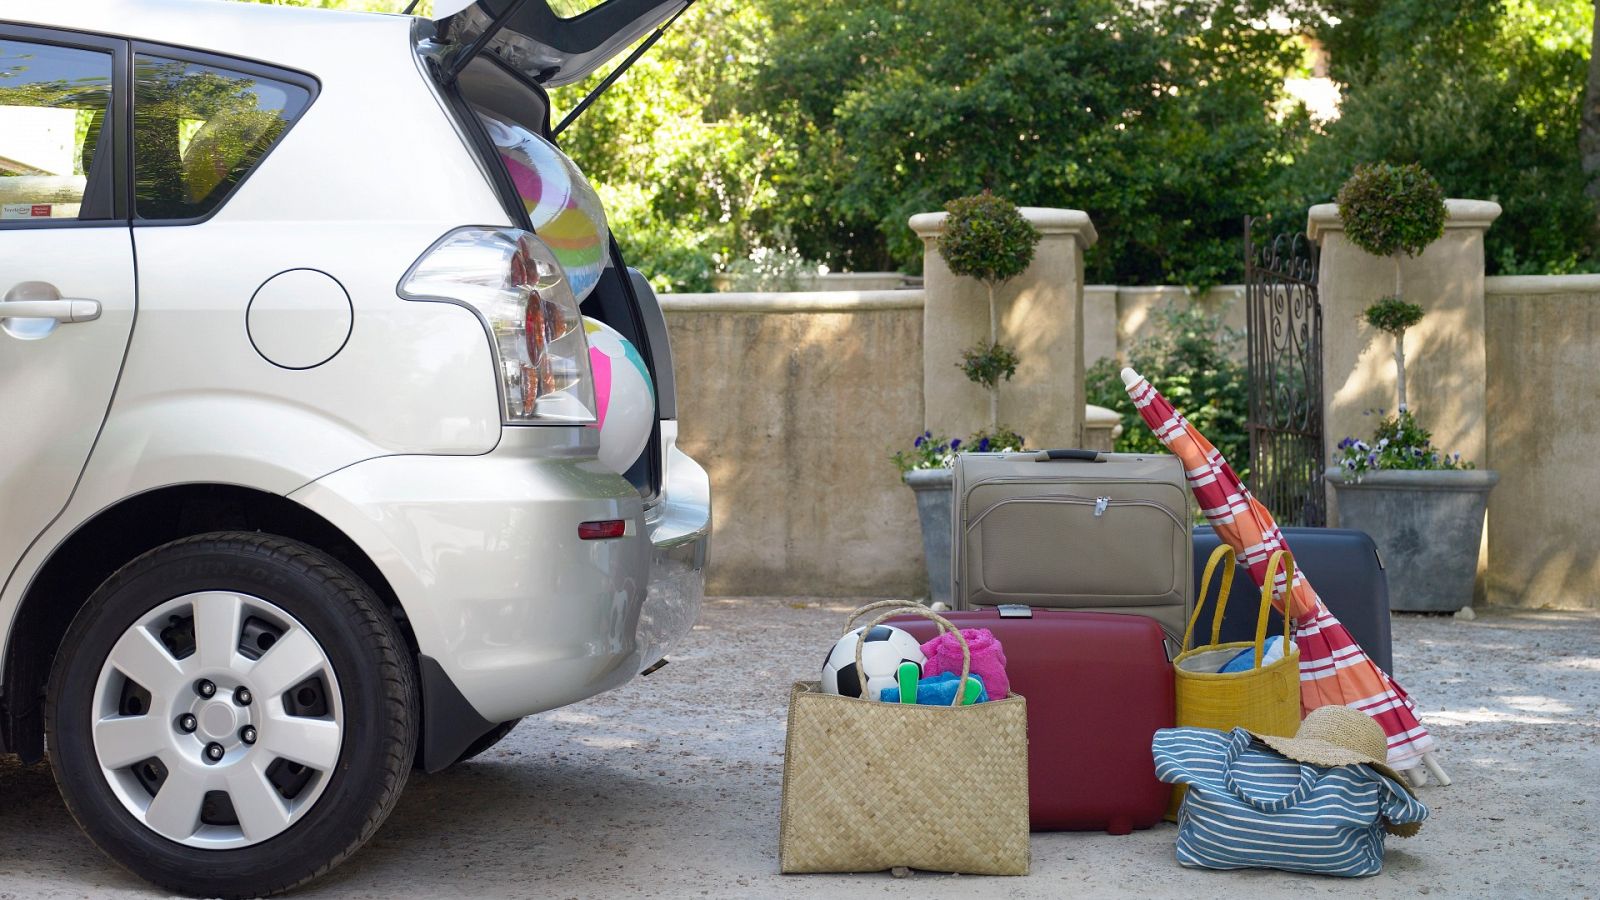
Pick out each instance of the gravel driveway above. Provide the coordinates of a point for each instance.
(669, 787)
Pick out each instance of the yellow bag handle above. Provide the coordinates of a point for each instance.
(1286, 559)
(1224, 552)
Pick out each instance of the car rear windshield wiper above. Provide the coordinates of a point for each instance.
(616, 73)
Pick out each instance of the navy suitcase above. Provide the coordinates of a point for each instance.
(1344, 567)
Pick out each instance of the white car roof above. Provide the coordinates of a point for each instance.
(299, 37)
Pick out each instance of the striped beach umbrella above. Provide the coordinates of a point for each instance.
(1333, 667)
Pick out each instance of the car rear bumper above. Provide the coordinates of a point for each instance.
(679, 527)
(483, 554)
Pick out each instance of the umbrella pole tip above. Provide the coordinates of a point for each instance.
(1130, 377)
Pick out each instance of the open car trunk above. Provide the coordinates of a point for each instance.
(549, 47)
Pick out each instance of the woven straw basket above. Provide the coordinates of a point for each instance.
(1264, 699)
(869, 786)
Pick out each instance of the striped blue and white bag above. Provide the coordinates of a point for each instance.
(1250, 807)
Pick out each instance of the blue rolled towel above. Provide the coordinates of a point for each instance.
(935, 690)
(1245, 659)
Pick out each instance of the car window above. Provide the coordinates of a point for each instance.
(53, 102)
(198, 130)
(567, 9)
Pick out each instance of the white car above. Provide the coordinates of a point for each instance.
(300, 479)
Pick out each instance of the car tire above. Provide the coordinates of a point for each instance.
(354, 715)
(491, 737)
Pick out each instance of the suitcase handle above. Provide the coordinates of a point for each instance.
(1074, 455)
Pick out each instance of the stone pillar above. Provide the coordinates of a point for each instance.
(1446, 366)
(1040, 315)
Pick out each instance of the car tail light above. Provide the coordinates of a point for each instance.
(514, 283)
(606, 528)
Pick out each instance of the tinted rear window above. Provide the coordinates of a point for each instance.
(198, 130)
(53, 104)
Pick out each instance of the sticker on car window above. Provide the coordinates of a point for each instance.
(25, 211)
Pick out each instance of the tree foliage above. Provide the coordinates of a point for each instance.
(1393, 316)
(1157, 120)
(1485, 95)
(1388, 209)
(986, 237)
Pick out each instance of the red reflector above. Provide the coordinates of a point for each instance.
(609, 528)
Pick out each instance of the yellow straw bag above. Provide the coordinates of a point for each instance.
(869, 786)
(1264, 699)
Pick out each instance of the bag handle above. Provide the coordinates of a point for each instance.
(1227, 558)
(1074, 455)
(1296, 795)
(1268, 585)
(894, 608)
(860, 611)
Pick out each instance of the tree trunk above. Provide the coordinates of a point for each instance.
(1589, 123)
(1400, 345)
(1400, 371)
(994, 338)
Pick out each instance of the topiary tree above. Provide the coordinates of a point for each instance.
(1393, 316)
(986, 237)
(1388, 210)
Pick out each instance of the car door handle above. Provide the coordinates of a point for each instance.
(41, 300)
(64, 310)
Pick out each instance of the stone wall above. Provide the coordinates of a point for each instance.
(1543, 413)
(793, 403)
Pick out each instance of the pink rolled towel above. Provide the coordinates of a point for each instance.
(988, 659)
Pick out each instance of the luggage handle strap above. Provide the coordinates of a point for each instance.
(1225, 557)
(1268, 589)
(894, 608)
(1074, 455)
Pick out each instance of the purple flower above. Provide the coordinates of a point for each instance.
(955, 444)
(918, 442)
(983, 445)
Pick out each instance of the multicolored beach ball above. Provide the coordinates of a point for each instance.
(625, 397)
(565, 211)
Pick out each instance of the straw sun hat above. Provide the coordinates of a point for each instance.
(1342, 736)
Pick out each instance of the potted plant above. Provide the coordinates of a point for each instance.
(1423, 507)
(925, 468)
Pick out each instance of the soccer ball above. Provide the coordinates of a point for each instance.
(885, 649)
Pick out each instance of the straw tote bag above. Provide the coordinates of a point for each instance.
(1263, 699)
(869, 786)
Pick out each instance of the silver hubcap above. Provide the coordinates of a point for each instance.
(217, 720)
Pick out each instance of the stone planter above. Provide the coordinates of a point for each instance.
(933, 490)
(1428, 526)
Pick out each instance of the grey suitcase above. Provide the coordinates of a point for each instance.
(1073, 529)
(1347, 572)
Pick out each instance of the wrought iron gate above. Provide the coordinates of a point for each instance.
(1284, 341)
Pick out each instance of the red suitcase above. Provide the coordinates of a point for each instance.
(1098, 686)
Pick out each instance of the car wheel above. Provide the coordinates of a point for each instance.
(491, 737)
(231, 715)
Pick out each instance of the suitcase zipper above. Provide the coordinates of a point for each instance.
(966, 495)
(1100, 504)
